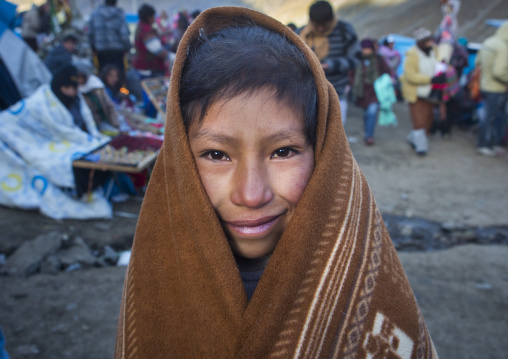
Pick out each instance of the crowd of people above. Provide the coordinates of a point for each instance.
(367, 72)
(432, 82)
(90, 96)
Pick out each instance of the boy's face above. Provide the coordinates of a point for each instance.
(255, 161)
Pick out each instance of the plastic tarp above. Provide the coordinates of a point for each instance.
(26, 68)
(386, 97)
(38, 143)
(7, 15)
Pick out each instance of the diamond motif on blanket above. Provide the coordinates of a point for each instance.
(387, 341)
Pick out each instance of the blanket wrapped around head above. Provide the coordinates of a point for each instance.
(333, 287)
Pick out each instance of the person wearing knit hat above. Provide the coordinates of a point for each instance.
(61, 54)
(363, 78)
(416, 80)
(65, 87)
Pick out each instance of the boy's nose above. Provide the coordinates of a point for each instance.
(251, 186)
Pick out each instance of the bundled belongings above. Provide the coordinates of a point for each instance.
(41, 136)
(259, 236)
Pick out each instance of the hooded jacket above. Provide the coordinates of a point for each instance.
(108, 29)
(412, 78)
(333, 286)
(493, 59)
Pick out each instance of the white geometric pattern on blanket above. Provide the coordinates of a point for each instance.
(386, 340)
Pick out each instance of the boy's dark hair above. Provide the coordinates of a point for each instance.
(145, 11)
(111, 2)
(320, 12)
(242, 60)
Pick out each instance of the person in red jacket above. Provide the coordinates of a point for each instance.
(150, 58)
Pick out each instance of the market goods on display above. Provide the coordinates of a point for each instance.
(122, 156)
(126, 150)
(157, 90)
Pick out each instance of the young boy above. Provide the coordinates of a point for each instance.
(258, 236)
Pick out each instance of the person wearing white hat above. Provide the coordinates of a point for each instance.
(416, 81)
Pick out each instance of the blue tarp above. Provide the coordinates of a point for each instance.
(404, 43)
(7, 15)
(495, 22)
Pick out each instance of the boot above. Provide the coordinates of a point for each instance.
(418, 140)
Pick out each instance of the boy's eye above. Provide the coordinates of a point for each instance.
(283, 152)
(217, 156)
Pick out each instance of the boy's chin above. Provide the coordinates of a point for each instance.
(251, 250)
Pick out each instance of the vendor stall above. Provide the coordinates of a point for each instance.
(157, 91)
(122, 154)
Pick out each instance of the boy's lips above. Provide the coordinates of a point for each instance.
(254, 226)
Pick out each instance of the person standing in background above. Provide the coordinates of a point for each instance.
(33, 24)
(493, 61)
(416, 81)
(447, 32)
(109, 35)
(392, 58)
(335, 43)
(151, 57)
(364, 76)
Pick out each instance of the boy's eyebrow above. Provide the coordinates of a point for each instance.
(292, 133)
(212, 136)
(284, 135)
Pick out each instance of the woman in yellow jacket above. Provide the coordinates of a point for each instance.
(416, 81)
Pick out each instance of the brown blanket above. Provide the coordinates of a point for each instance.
(333, 287)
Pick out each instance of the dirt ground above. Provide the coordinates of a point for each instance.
(463, 291)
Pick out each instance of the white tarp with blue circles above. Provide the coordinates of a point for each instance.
(38, 142)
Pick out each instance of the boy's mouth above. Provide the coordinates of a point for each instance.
(253, 227)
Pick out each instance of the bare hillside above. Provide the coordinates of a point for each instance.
(375, 18)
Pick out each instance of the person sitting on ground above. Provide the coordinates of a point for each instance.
(99, 102)
(65, 86)
(111, 78)
(336, 45)
(61, 55)
(258, 236)
(363, 78)
(151, 57)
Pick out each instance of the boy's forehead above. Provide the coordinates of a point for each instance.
(259, 113)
